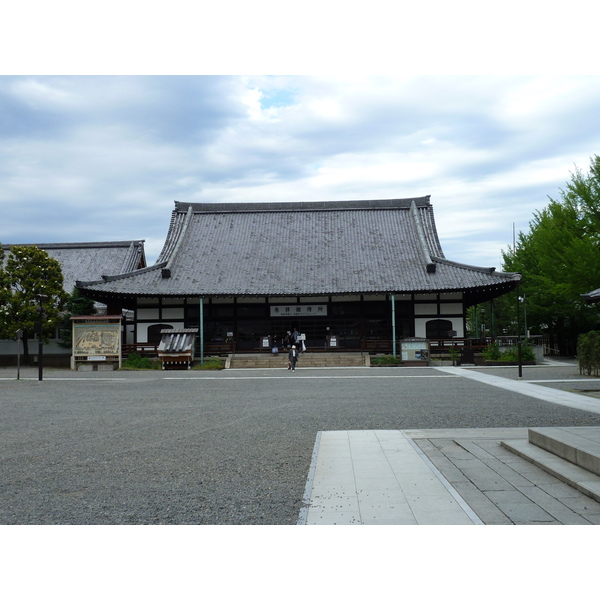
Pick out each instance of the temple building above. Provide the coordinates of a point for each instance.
(349, 275)
(88, 259)
(81, 261)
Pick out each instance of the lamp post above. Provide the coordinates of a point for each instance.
(519, 354)
(19, 338)
(40, 298)
(523, 299)
(483, 326)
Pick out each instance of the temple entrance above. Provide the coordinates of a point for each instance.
(318, 332)
(354, 325)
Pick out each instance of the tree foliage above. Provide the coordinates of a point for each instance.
(30, 278)
(559, 259)
(588, 353)
(77, 304)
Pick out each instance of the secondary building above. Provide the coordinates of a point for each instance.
(83, 260)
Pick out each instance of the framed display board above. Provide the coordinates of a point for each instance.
(96, 340)
(414, 351)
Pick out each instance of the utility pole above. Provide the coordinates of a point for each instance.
(519, 355)
(40, 298)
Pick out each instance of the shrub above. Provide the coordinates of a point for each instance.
(454, 353)
(378, 361)
(492, 352)
(588, 353)
(512, 354)
(137, 362)
(213, 363)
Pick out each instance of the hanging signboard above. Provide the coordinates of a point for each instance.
(298, 310)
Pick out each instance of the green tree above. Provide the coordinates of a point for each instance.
(559, 258)
(31, 278)
(75, 305)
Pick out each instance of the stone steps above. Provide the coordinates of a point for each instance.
(571, 454)
(306, 359)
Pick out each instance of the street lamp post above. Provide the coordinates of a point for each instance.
(524, 301)
(483, 325)
(519, 351)
(40, 298)
(19, 338)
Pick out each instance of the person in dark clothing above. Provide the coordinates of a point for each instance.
(295, 335)
(293, 358)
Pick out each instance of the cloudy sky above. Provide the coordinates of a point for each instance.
(89, 152)
(100, 158)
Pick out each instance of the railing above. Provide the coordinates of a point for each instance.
(441, 346)
(147, 350)
(218, 348)
(376, 346)
(444, 344)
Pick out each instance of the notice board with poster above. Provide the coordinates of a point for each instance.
(415, 352)
(96, 340)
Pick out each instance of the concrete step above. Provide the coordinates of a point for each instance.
(309, 359)
(564, 452)
(578, 445)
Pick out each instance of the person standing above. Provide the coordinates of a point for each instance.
(293, 358)
(295, 336)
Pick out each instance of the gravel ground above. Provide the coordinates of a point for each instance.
(228, 447)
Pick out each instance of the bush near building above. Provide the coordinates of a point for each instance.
(588, 353)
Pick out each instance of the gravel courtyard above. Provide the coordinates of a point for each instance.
(227, 447)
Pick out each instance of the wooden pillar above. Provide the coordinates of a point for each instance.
(394, 324)
(201, 329)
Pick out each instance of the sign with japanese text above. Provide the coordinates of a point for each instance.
(298, 310)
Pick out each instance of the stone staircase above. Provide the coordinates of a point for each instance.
(306, 359)
(571, 454)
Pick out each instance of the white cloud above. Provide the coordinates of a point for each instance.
(39, 95)
(104, 157)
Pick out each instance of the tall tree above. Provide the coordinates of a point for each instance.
(32, 280)
(559, 258)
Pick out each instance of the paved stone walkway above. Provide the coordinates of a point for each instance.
(433, 477)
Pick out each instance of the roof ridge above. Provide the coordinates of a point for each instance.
(58, 245)
(420, 233)
(488, 270)
(181, 235)
(106, 278)
(295, 206)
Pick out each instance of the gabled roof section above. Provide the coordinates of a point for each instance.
(592, 297)
(308, 248)
(89, 260)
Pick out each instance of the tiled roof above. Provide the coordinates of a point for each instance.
(89, 260)
(592, 297)
(283, 249)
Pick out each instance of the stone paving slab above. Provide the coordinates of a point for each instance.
(377, 477)
(520, 492)
(436, 477)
